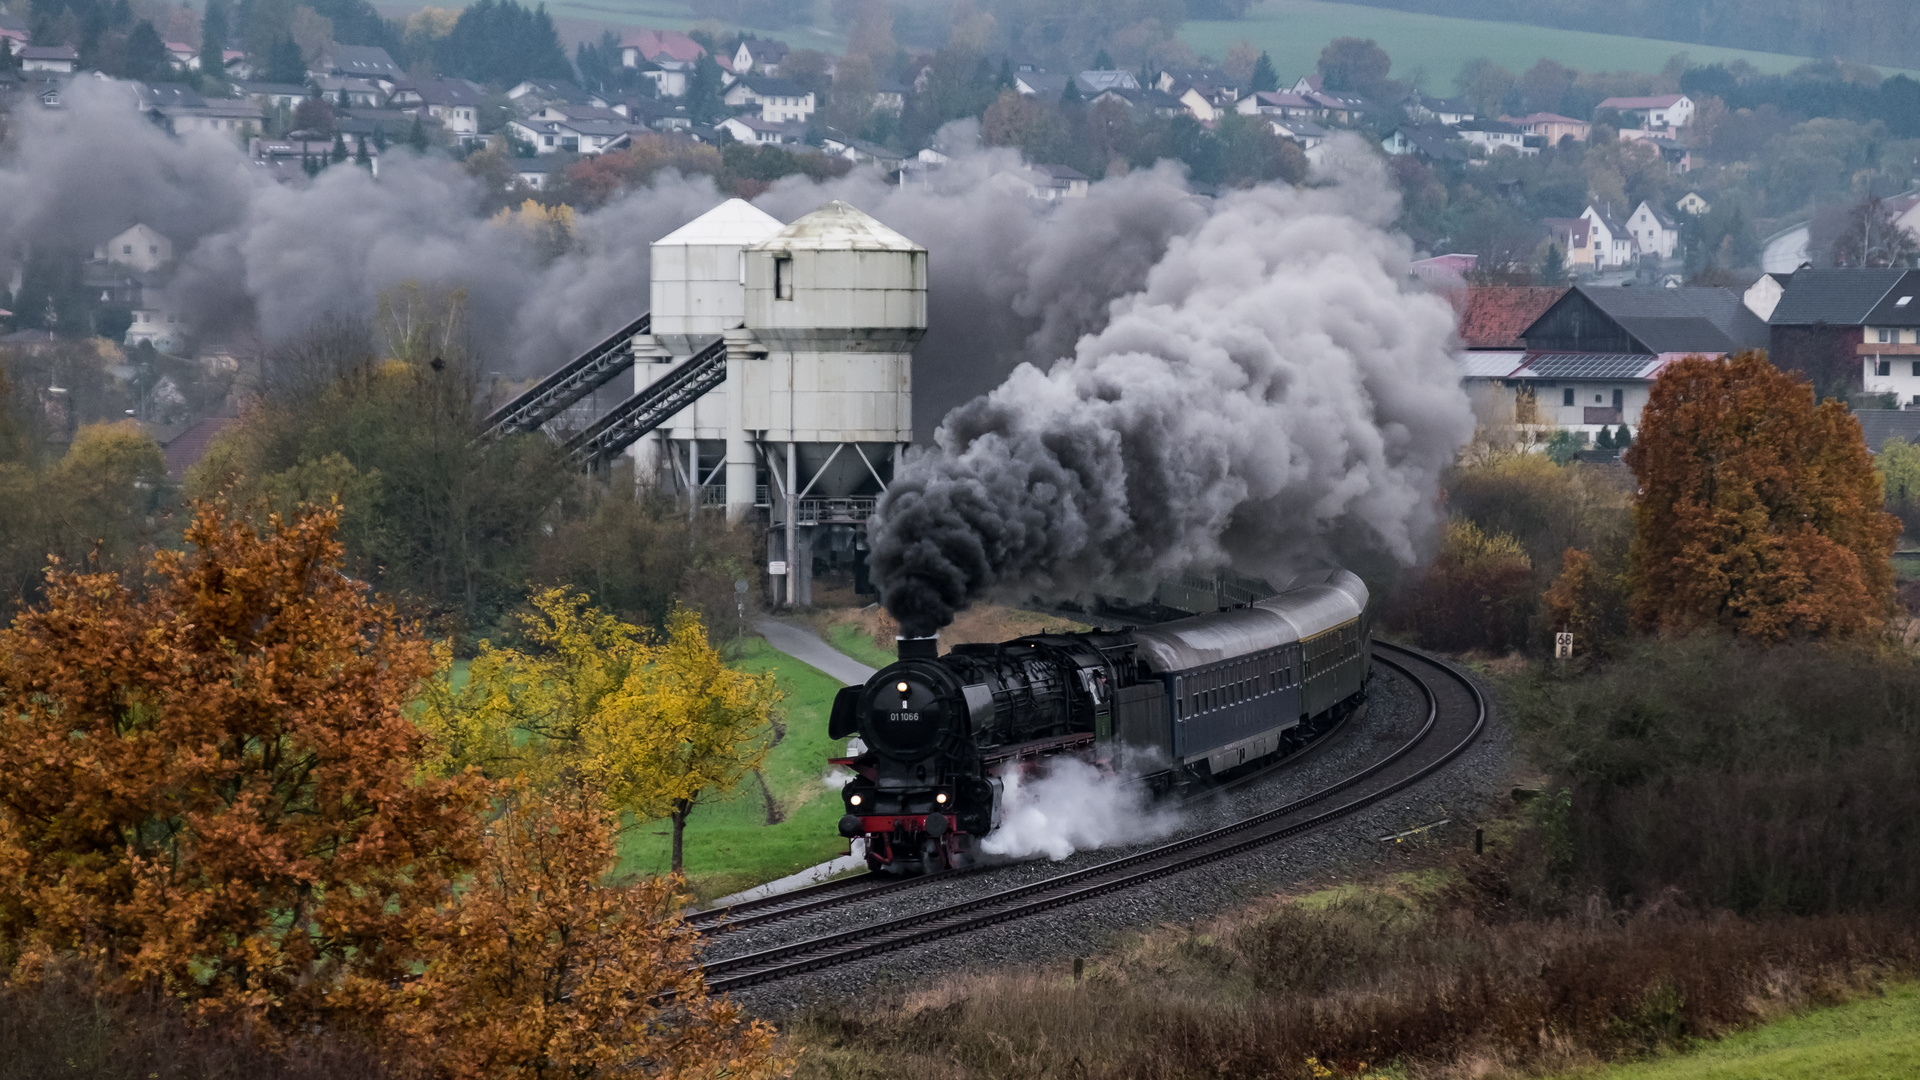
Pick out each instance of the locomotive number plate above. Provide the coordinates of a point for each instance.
(905, 717)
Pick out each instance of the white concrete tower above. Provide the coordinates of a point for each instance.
(838, 300)
(698, 286)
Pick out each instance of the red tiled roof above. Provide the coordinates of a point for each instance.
(1658, 102)
(1495, 315)
(671, 43)
(185, 450)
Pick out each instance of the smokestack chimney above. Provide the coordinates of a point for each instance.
(918, 648)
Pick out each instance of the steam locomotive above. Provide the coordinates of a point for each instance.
(1188, 700)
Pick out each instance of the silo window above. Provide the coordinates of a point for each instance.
(783, 278)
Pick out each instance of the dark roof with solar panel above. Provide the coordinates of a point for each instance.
(1844, 297)
(1562, 365)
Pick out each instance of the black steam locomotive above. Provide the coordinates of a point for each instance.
(1195, 698)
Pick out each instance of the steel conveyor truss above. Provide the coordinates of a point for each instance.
(557, 392)
(652, 406)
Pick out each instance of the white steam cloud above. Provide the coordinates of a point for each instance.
(1012, 280)
(1074, 807)
(1276, 392)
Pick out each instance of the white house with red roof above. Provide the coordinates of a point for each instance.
(642, 47)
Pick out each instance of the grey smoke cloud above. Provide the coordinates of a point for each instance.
(1275, 392)
(1012, 281)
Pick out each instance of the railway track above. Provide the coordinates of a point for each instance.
(1456, 715)
(863, 886)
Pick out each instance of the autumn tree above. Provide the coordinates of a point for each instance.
(1759, 511)
(652, 726)
(1353, 64)
(1477, 593)
(1872, 238)
(541, 969)
(1587, 601)
(209, 786)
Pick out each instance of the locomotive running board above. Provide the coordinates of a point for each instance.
(1038, 747)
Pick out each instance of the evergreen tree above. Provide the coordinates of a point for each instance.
(380, 138)
(343, 103)
(1553, 270)
(339, 148)
(500, 41)
(213, 40)
(1604, 440)
(1623, 440)
(6, 54)
(285, 65)
(704, 104)
(1004, 80)
(146, 53)
(1265, 78)
(1072, 95)
(360, 155)
(417, 138)
(1102, 62)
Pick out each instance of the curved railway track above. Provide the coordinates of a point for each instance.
(1456, 715)
(864, 886)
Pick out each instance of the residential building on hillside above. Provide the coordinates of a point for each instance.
(1494, 317)
(533, 93)
(1662, 112)
(1551, 126)
(670, 78)
(455, 103)
(1431, 142)
(1850, 331)
(759, 58)
(140, 248)
(361, 62)
(1495, 136)
(1280, 104)
(1424, 108)
(1093, 82)
(1047, 183)
(1692, 204)
(1654, 231)
(14, 29)
(180, 110)
(360, 93)
(860, 151)
(1591, 357)
(752, 129)
(1593, 242)
(779, 101)
(1047, 86)
(653, 46)
(569, 136)
(59, 59)
(270, 95)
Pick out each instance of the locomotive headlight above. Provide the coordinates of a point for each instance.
(855, 800)
(902, 687)
(941, 798)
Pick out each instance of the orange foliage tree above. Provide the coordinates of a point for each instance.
(209, 785)
(539, 970)
(1759, 511)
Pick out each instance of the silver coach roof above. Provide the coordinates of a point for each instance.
(1312, 603)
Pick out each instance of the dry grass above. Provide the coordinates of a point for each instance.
(1416, 976)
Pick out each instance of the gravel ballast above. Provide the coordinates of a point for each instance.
(1463, 791)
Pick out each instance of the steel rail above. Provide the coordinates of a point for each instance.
(846, 946)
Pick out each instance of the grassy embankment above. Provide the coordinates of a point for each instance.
(1876, 1038)
(1431, 48)
(867, 634)
(735, 843)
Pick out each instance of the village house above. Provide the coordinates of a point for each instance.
(643, 47)
(1094, 82)
(1495, 136)
(1046, 86)
(455, 103)
(759, 58)
(269, 95)
(131, 269)
(1551, 126)
(860, 151)
(1661, 113)
(1850, 331)
(1594, 242)
(359, 93)
(1423, 108)
(181, 111)
(1654, 231)
(1591, 357)
(1278, 104)
(1430, 142)
(779, 101)
(566, 135)
(14, 29)
(59, 59)
(284, 161)
(361, 62)
(1692, 204)
(753, 130)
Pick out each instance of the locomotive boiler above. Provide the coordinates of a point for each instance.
(1178, 702)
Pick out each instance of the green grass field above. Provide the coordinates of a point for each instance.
(729, 844)
(849, 640)
(1430, 48)
(1872, 1039)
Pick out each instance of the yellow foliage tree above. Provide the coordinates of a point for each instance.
(654, 726)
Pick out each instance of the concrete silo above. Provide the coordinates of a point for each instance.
(837, 300)
(698, 286)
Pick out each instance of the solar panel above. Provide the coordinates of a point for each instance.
(1587, 365)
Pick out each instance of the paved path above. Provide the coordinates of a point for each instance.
(805, 646)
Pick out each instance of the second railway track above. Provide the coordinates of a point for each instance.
(1456, 716)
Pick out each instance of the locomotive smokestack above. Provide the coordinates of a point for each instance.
(918, 648)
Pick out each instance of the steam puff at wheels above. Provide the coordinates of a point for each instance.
(1177, 702)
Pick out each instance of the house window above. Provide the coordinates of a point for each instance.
(1884, 367)
(1916, 369)
(1619, 399)
(1566, 399)
(1885, 337)
(783, 278)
